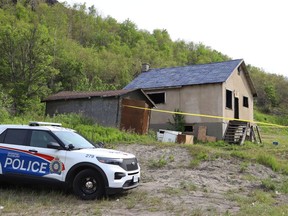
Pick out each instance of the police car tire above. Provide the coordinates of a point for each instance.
(88, 185)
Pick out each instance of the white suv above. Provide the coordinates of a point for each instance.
(47, 151)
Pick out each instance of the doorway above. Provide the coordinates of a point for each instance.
(236, 108)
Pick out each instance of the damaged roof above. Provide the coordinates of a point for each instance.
(210, 73)
(72, 95)
(68, 95)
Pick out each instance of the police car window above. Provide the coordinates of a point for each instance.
(41, 138)
(16, 136)
(68, 137)
(2, 135)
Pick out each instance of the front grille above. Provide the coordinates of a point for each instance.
(130, 164)
(129, 184)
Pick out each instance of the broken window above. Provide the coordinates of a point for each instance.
(245, 102)
(228, 99)
(188, 128)
(157, 98)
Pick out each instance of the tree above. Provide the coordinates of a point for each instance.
(25, 60)
(178, 123)
(271, 95)
(129, 34)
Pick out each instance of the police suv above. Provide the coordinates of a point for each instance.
(47, 151)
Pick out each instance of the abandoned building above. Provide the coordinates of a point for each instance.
(222, 89)
(106, 108)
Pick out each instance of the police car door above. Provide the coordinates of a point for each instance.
(24, 152)
(44, 161)
(13, 151)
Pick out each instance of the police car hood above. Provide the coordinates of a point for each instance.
(110, 153)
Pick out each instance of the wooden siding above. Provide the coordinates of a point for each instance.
(133, 119)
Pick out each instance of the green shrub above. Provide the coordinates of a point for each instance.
(4, 115)
(158, 163)
(162, 161)
(178, 123)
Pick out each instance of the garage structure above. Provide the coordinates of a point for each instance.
(106, 108)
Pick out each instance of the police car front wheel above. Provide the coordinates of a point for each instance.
(88, 185)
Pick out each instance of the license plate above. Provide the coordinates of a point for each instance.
(135, 179)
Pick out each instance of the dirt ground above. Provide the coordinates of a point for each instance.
(205, 190)
(169, 186)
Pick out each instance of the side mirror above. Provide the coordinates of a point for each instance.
(54, 145)
(71, 146)
(100, 144)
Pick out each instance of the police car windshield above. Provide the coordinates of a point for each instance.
(69, 137)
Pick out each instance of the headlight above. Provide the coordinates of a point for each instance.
(112, 161)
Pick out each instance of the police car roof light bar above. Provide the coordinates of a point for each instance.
(35, 123)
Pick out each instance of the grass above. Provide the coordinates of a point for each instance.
(162, 161)
(188, 186)
(273, 119)
(26, 199)
(84, 126)
(272, 185)
(23, 200)
(263, 203)
(243, 167)
(172, 191)
(267, 154)
(268, 161)
(260, 201)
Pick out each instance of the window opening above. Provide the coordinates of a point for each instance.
(188, 128)
(157, 98)
(239, 70)
(245, 102)
(228, 99)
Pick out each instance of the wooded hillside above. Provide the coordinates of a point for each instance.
(46, 47)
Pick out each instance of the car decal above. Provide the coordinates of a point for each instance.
(19, 161)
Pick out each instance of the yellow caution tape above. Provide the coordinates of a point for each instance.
(206, 116)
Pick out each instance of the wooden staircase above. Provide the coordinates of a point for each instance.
(236, 132)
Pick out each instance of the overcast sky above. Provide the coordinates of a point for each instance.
(255, 30)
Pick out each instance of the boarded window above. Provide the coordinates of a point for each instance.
(245, 102)
(228, 99)
(157, 98)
